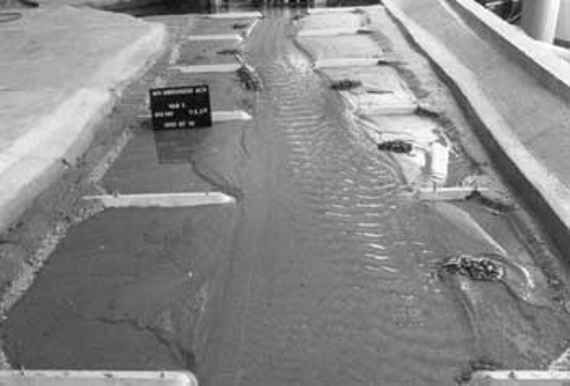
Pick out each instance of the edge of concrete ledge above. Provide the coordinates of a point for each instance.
(235, 15)
(97, 377)
(39, 158)
(352, 8)
(543, 192)
(548, 67)
(520, 377)
(133, 60)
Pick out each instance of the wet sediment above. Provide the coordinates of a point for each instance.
(322, 272)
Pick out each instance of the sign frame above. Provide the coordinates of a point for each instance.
(181, 107)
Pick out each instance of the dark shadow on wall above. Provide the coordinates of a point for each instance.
(350, 3)
(10, 4)
(141, 8)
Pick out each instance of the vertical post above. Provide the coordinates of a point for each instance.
(539, 18)
(215, 5)
(563, 29)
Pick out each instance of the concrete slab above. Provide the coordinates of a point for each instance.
(388, 93)
(199, 38)
(96, 378)
(520, 378)
(420, 130)
(453, 193)
(235, 15)
(332, 31)
(343, 46)
(225, 116)
(162, 200)
(346, 62)
(341, 21)
(397, 103)
(376, 77)
(71, 79)
(212, 68)
(315, 11)
(220, 116)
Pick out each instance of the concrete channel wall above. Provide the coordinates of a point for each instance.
(103, 55)
(546, 66)
(546, 196)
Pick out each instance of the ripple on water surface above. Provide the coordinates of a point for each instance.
(378, 243)
(330, 276)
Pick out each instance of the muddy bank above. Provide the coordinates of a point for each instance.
(129, 302)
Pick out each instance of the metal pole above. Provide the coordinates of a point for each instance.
(215, 5)
(563, 30)
(539, 18)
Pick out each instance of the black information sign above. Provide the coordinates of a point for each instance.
(180, 107)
